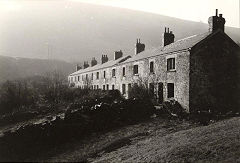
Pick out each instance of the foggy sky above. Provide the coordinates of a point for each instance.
(37, 28)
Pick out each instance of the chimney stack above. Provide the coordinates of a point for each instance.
(139, 47)
(168, 37)
(104, 59)
(85, 64)
(93, 62)
(118, 54)
(78, 67)
(216, 22)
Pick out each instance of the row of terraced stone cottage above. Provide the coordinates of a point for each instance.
(200, 71)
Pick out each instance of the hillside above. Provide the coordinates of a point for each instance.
(15, 68)
(80, 31)
(160, 140)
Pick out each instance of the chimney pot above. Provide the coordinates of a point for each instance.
(167, 38)
(118, 54)
(139, 47)
(216, 22)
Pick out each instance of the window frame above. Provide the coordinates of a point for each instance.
(104, 74)
(151, 67)
(97, 75)
(124, 71)
(134, 73)
(114, 74)
(171, 64)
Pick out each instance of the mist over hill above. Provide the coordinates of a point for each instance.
(80, 31)
(15, 68)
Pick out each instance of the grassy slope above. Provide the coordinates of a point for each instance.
(99, 143)
(213, 143)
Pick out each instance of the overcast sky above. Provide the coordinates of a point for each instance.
(195, 10)
(29, 27)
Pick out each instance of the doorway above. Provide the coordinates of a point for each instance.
(160, 93)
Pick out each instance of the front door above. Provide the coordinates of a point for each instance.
(160, 93)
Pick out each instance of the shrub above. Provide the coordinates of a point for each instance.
(139, 92)
(173, 108)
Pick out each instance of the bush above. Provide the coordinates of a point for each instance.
(140, 92)
(16, 96)
(173, 108)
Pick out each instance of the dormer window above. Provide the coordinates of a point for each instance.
(135, 69)
(170, 64)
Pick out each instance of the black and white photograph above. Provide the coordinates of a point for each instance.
(120, 81)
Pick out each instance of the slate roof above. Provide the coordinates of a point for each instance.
(179, 45)
(101, 66)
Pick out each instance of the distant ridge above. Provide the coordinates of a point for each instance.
(85, 30)
(15, 68)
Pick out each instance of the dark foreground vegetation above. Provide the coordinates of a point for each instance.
(80, 113)
(81, 119)
(70, 115)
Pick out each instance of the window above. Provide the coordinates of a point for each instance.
(171, 64)
(78, 78)
(103, 87)
(151, 67)
(124, 71)
(92, 77)
(107, 87)
(86, 76)
(123, 88)
(104, 74)
(113, 72)
(97, 86)
(97, 75)
(94, 87)
(170, 87)
(135, 69)
(113, 87)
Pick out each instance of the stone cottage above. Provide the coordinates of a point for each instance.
(200, 71)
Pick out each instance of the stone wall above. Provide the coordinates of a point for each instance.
(179, 76)
(214, 74)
